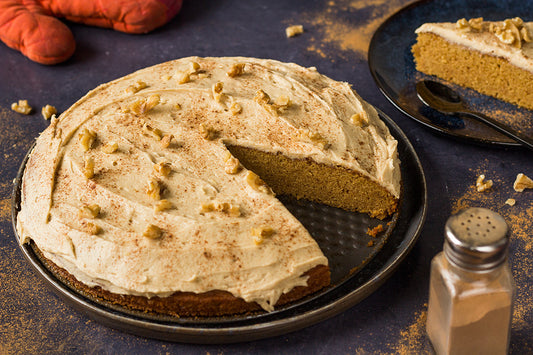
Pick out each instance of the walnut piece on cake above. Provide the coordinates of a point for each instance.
(260, 233)
(482, 184)
(87, 138)
(295, 30)
(522, 182)
(236, 70)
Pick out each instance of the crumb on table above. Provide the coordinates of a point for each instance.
(482, 184)
(21, 106)
(522, 182)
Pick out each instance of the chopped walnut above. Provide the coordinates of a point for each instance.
(232, 165)
(110, 147)
(89, 211)
(295, 30)
(224, 207)
(87, 139)
(152, 232)
(163, 168)
(138, 86)
(47, 111)
(257, 183)
(281, 103)
(153, 189)
(208, 133)
(91, 228)
(260, 233)
(217, 91)
(261, 97)
(142, 106)
(21, 107)
(315, 138)
(166, 140)
(360, 119)
(236, 70)
(88, 168)
(482, 184)
(235, 108)
(183, 78)
(512, 32)
(476, 23)
(153, 132)
(462, 24)
(522, 182)
(177, 106)
(510, 202)
(193, 68)
(163, 205)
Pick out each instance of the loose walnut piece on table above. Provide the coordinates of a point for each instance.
(89, 211)
(260, 233)
(295, 30)
(152, 232)
(510, 202)
(522, 182)
(482, 184)
(47, 111)
(21, 106)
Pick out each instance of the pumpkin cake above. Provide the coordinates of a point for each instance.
(492, 57)
(156, 191)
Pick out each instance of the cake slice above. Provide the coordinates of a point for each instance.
(493, 58)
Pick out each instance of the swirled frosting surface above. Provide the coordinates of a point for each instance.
(196, 249)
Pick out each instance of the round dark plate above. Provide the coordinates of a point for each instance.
(392, 66)
(357, 269)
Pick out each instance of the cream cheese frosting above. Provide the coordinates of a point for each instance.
(485, 41)
(94, 182)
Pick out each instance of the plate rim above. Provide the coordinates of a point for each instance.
(217, 334)
(382, 87)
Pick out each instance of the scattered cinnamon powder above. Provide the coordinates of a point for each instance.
(347, 25)
(413, 339)
(5, 209)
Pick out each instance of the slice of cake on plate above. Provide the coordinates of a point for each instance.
(492, 57)
(157, 191)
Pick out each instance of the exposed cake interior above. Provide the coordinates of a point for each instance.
(494, 58)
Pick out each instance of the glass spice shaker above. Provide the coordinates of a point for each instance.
(471, 287)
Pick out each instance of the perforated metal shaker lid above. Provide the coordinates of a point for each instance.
(476, 238)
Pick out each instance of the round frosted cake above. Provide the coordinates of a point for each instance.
(157, 191)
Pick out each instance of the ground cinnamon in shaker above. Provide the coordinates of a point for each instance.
(471, 288)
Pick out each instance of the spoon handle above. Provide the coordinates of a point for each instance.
(502, 128)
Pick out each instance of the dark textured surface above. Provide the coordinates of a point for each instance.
(391, 320)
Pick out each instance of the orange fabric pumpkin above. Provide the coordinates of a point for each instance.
(31, 26)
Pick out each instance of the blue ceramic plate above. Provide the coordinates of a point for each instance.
(392, 66)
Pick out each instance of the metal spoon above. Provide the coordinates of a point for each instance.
(445, 100)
